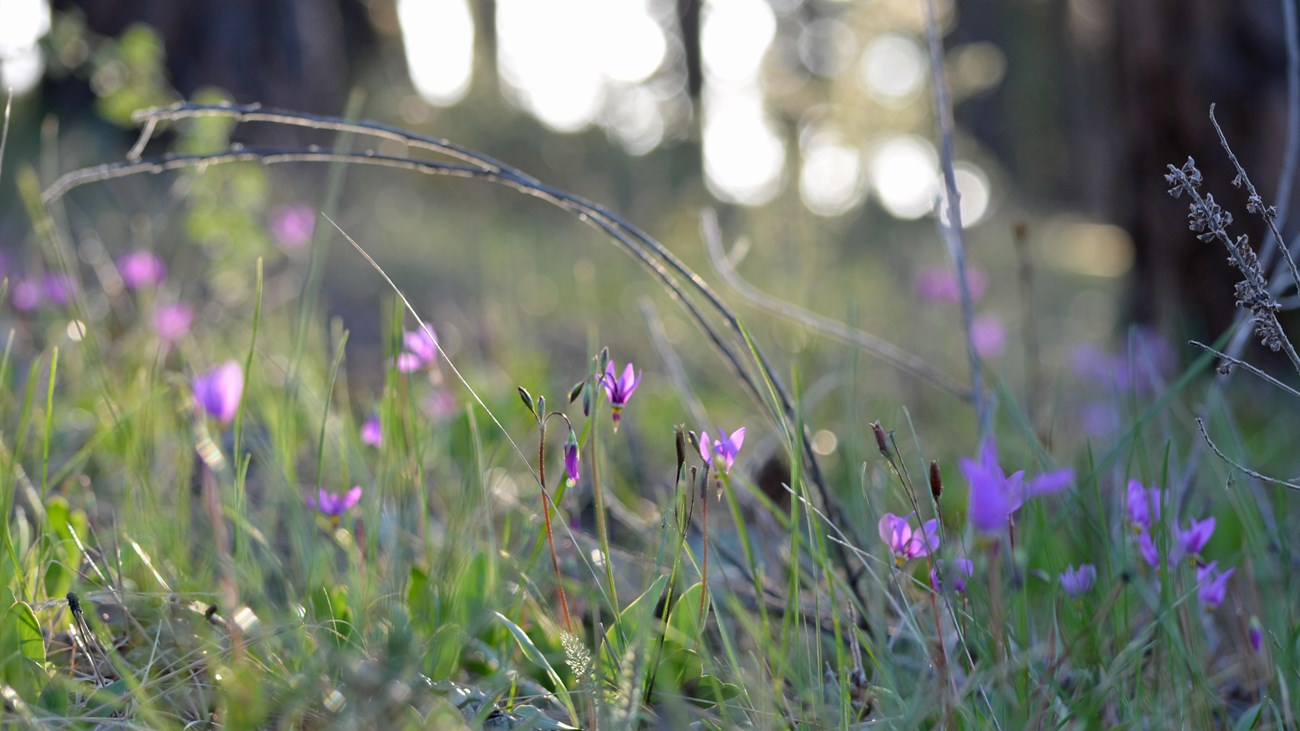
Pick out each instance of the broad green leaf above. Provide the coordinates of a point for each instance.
(22, 649)
(684, 620)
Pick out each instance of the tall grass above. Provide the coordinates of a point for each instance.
(167, 565)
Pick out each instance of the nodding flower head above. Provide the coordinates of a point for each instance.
(994, 495)
(332, 505)
(1143, 505)
(219, 390)
(571, 458)
(1077, 582)
(1190, 542)
(619, 389)
(722, 452)
(1212, 585)
(960, 570)
(906, 543)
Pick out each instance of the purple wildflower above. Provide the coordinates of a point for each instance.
(1143, 505)
(620, 389)
(1147, 548)
(720, 451)
(418, 350)
(219, 390)
(59, 288)
(26, 295)
(371, 432)
(1099, 419)
(1190, 542)
(962, 569)
(1255, 633)
(172, 322)
(1212, 586)
(906, 543)
(292, 226)
(988, 335)
(440, 405)
(571, 458)
(1077, 582)
(333, 505)
(939, 284)
(994, 495)
(140, 269)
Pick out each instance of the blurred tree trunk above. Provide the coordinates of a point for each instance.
(1174, 58)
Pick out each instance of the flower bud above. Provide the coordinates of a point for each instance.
(936, 480)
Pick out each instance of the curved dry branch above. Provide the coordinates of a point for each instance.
(1200, 424)
(660, 262)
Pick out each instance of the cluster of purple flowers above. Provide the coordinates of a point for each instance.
(1143, 506)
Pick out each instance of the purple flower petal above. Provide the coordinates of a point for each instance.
(140, 269)
(1078, 581)
(571, 458)
(371, 432)
(26, 295)
(219, 390)
(1212, 586)
(172, 322)
(1147, 548)
(292, 226)
(939, 284)
(988, 335)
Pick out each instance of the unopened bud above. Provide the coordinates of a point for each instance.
(936, 480)
(882, 441)
(576, 391)
(679, 438)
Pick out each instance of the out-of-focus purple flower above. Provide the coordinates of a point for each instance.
(59, 288)
(722, 451)
(906, 543)
(620, 389)
(989, 335)
(1077, 582)
(939, 284)
(960, 570)
(219, 390)
(1147, 548)
(1255, 633)
(1143, 505)
(1099, 419)
(371, 432)
(172, 322)
(140, 269)
(333, 505)
(292, 226)
(1148, 357)
(441, 405)
(1212, 586)
(571, 458)
(1190, 542)
(26, 295)
(994, 495)
(418, 350)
